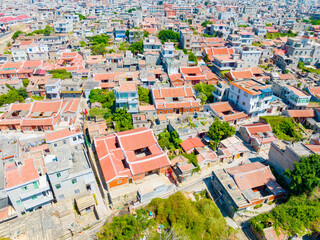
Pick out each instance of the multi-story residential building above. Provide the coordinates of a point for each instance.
(27, 184)
(250, 96)
(72, 17)
(127, 96)
(63, 26)
(37, 52)
(156, 9)
(167, 51)
(250, 56)
(119, 32)
(221, 91)
(260, 30)
(53, 88)
(223, 28)
(224, 58)
(246, 38)
(19, 55)
(234, 40)
(68, 165)
(151, 44)
(294, 97)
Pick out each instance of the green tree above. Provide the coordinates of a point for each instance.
(99, 43)
(81, 17)
(206, 58)
(60, 73)
(131, 10)
(220, 130)
(193, 57)
(205, 23)
(136, 47)
(16, 35)
(165, 35)
(145, 33)
(25, 82)
(48, 30)
(305, 176)
(201, 219)
(126, 227)
(284, 128)
(99, 49)
(122, 119)
(83, 43)
(144, 94)
(105, 97)
(298, 216)
(205, 90)
(170, 141)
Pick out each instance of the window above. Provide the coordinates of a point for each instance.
(58, 186)
(18, 202)
(77, 191)
(24, 188)
(35, 184)
(34, 197)
(74, 181)
(61, 196)
(58, 175)
(55, 145)
(119, 182)
(64, 141)
(74, 138)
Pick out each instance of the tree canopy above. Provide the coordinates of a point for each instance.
(16, 34)
(165, 35)
(60, 73)
(220, 130)
(305, 176)
(81, 17)
(25, 82)
(144, 94)
(206, 91)
(193, 220)
(105, 97)
(99, 43)
(205, 23)
(283, 127)
(13, 95)
(192, 57)
(295, 217)
(168, 140)
(126, 227)
(136, 47)
(122, 119)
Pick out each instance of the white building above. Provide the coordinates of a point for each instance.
(250, 96)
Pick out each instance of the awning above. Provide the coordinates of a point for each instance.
(85, 201)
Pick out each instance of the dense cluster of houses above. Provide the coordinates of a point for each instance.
(260, 58)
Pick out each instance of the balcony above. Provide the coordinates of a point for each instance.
(34, 192)
(31, 204)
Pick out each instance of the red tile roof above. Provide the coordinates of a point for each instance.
(117, 155)
(251, 175)
(16, 175)
(302, 113)
(54, 136)
(191, 143)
